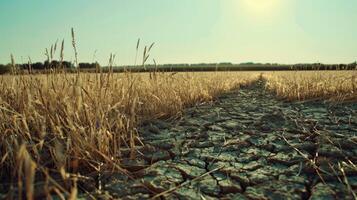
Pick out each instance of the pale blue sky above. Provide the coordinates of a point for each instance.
(185, 31)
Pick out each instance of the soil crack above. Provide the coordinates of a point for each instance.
(241, 135)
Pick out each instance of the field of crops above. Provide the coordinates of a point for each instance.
(66, 123)
(54, 126)
(303, 85)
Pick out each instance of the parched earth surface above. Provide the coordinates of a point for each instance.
(246, 145)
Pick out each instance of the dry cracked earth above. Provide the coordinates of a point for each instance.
(246, 145)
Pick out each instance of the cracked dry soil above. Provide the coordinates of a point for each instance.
(246, 145)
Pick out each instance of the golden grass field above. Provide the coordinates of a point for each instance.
(66, 123)
(304, 85)
(71, 122)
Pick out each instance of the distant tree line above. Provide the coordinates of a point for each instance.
(38, 66)
(88, 65)
(5, 68)
(248, 66)
(320, 66)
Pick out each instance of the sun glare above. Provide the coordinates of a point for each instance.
(261, 7)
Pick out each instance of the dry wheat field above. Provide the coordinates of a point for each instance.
(178, 100)
(307, 85)
(65, 123)
(57, 130)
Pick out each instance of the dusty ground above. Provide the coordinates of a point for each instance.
(247, 145)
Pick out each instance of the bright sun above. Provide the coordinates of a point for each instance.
(261, 7)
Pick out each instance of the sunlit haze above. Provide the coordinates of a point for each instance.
(184, 31)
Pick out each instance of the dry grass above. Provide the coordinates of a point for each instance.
(68, 123)
(304, 85)
(57, 125)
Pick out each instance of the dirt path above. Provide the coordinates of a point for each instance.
(247, 145)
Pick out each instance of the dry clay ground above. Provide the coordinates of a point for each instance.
(247, 145)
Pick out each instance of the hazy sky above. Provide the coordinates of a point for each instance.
(185, 31)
